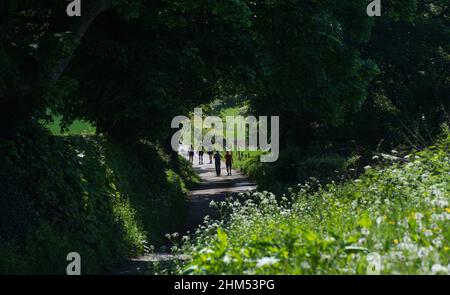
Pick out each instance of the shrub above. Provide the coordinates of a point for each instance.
(84, 194)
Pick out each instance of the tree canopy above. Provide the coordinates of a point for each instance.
(130, 66)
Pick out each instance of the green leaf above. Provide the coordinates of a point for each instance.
(310, 236)
(365, 221)
(223, 238)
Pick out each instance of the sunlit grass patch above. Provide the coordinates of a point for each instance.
(78, 127)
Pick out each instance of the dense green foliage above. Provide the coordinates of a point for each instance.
(399, 211)
(340, 80)
(105, 201)
(295, 165)
(344, 85)
(128, 68)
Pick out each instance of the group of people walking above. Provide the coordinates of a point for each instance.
(212, 155)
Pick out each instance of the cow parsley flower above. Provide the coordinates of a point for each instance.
(266, 261)
(439, 269)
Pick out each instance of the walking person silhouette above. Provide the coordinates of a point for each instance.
(200, 156)
(191, 154)
(217, 158)
(210, 153)
(228, 162)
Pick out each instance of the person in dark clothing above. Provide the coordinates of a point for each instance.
(217, 159)
(191, 154)
(200, 156)
(228, 162)
(210, 154)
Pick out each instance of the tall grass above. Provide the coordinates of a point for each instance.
(397, 215)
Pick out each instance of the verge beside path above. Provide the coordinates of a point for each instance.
(211, 188)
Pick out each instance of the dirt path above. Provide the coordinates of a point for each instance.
(215, 188)
(211, 188)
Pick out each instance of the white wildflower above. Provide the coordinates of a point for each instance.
(226, 259)
(439, 269)
(437, 242)
(440, 202)
(380, 219)
(423, 252)
(438, 217)
(407, 239)
(305, 265)
(419, 216)
(266, 261)
(427, 233)
(206, 251)
(325, 257)
(378, 246)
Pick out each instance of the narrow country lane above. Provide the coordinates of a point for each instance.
(211, 188)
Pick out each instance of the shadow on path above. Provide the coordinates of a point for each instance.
(211, 188)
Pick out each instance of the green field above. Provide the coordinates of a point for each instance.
(78, 127)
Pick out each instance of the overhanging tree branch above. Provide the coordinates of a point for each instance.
(90, 11)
